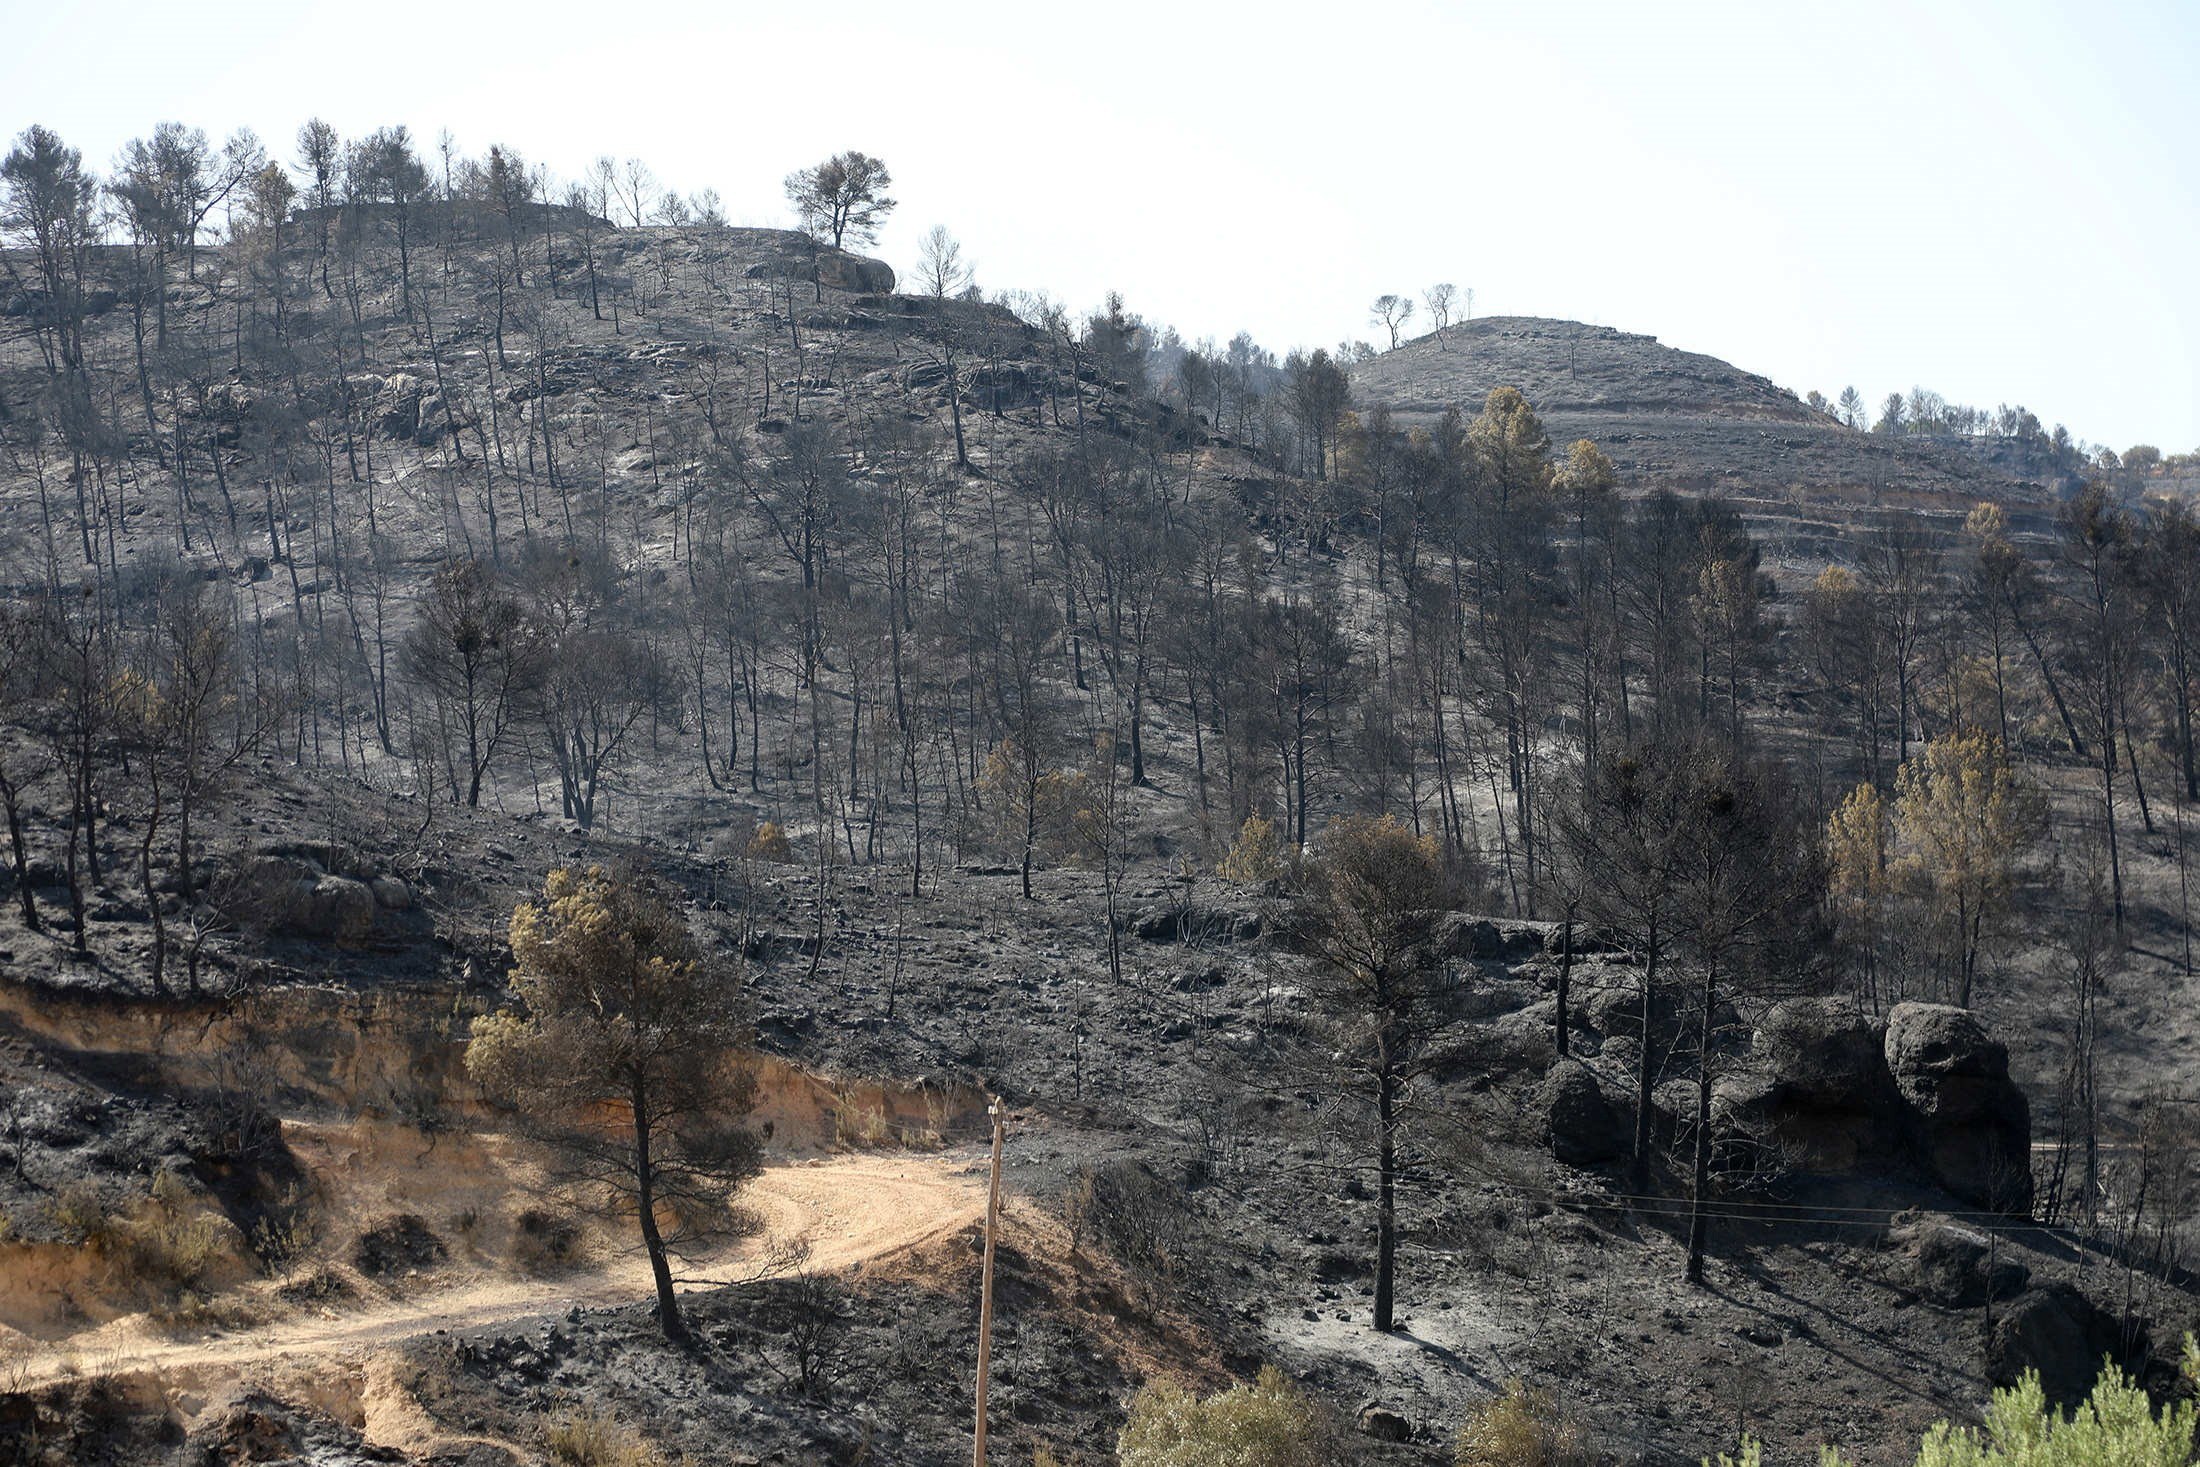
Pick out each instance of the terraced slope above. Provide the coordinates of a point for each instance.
(1692, 423)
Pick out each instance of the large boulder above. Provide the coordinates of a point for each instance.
(859, 273)
(1519, 1042)
(1614, 1009)
(334, 908)
(801, 259)
(1826, 1099)
(270, 885)
(2059, 1332)
(1584, 1129)
(288, 894)
(1954, 1266)
(1195, 922)
(1458, 935)
(1384, 1424)
(1587, 941)
(1000, 386)
(1827, 1052)
(397, 404)
(1969, 1122)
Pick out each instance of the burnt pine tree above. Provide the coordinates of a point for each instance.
(1744, 918)
(1623, 827)
(1374, 893)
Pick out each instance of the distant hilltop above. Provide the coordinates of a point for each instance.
(1694, 424)
(1569, 367)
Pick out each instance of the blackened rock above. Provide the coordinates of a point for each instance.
(1827, 1053)
(1458, 935)
(1969, 1121)
(2059, 1332)
(397, 1243)
(1584, 1131)
(1384, 1424)
(1954, 1266)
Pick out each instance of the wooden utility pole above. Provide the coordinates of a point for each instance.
(985, 1288)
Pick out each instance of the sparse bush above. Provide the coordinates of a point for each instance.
(1077, 1208)
(1267, 1424)
(79, 1212)
(1257, 856)
(318, 1287)
(190, 1310)
(543, 1242)
(15, 1368)
(1139, 1219)
(770, 843)
(397, 1243)
(1521, 1428)
(172, 1244)
(859, 1125)
(166, 1243)
(597, 1439)
(937, 1116)
(285, 1233)
(810, 1313)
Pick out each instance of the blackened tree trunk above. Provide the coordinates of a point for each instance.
(18, 855)
(660, 1266)
(1386, 1175)
(1699, 1222)
(1646, 1068)
(1565, 979)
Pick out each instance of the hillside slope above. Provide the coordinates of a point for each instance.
(1679, 420)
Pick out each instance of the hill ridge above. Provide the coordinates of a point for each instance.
(1649, 376)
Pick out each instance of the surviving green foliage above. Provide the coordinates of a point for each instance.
(1266, 1424)
(2118, 1426)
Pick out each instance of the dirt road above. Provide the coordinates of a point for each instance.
(844, 1211)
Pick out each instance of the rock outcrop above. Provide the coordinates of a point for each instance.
(335, 909)
(1830, 1089)
(1458, 935)
(1195, 922)
(299, 897)
(1954, 1266)
(1826, 1097)
(2059, 1332)
(1584, 1130)
(1968, 1120)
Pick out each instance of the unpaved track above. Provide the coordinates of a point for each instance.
(845, 1211)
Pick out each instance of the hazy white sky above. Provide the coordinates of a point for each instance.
(1999, 200)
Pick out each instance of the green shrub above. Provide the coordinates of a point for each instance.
(2116, 1427)
(1267, 1424)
